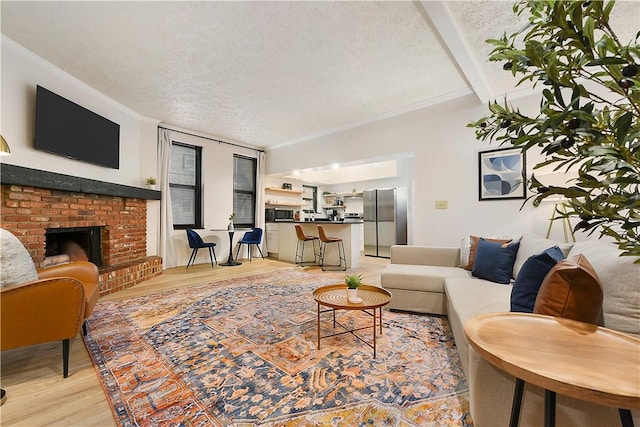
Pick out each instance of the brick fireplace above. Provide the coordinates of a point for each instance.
(31, 212)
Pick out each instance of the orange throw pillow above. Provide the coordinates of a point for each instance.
(474, 249)
(571, 290)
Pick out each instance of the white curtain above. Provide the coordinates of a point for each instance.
(167, 250)
(260, 170)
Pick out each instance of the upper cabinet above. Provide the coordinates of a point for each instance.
(275, 197)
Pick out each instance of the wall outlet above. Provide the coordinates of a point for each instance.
(441, 204)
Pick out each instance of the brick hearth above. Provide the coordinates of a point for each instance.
(27, 212)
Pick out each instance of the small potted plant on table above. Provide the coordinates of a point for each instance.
(232, 219)
(353, 281)
(151, 183)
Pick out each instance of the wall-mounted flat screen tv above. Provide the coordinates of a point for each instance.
(67, 129)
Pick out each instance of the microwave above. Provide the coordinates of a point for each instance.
(277, 214)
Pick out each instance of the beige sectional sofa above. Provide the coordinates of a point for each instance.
(430, 280)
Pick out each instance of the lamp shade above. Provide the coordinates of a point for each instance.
(4, 147)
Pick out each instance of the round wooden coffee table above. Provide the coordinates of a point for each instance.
(335, 297)
(575, 359)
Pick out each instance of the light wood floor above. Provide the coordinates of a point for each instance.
(37, 395)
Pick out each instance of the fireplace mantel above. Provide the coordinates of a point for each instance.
(35, 202)
(20, 175)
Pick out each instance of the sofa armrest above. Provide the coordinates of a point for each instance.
(425, 255)
(84, 271)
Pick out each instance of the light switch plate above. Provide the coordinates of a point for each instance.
(441, 204)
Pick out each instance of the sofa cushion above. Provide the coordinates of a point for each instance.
(531, 244)
(571, 290)
(16, 265)
(532, 273)
(426, 278)
(494, 261)
(471, 297)
(473, 248)
(620, 279)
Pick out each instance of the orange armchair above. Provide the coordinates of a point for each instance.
(87, 274)
(52, 308)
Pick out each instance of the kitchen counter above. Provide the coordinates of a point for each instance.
(322, 221)
(328, 221)
(284, 246)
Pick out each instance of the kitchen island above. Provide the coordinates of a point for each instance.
(282, 240)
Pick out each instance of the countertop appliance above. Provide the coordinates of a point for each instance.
(385, 221)
(352, 217)
(277, 214)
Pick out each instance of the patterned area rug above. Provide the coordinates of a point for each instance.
(243, 352)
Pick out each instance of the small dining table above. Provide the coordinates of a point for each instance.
(230, 262)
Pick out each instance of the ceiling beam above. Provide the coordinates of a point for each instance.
(438, 17)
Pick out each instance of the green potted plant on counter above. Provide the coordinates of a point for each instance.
(353, 282)
(151, 183)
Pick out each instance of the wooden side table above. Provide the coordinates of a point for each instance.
(563, 356)
(335, 297)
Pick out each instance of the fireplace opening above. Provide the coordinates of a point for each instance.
(74, 244)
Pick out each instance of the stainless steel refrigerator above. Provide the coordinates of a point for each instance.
(385, 221)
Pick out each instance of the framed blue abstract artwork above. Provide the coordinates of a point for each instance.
(502, 174)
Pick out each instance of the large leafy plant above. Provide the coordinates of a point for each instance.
(589, 112)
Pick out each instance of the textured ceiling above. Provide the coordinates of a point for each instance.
(270, 73)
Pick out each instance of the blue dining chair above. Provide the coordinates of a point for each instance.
(253, 237)
(195, 243)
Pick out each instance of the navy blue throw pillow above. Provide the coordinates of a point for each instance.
(494, 261)
(531, 275)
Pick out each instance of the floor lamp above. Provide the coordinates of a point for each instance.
(561, 207)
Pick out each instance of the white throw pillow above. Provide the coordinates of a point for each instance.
(465, 251)
(16, 265)
(532, 244)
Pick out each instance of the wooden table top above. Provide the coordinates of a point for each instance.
(572, 358)
(335, 296)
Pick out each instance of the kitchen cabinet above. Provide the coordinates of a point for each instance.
(272, 236)
(277, 197)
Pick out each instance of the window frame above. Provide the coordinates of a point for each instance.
(197, 208)
(313, 198)
(254, 193)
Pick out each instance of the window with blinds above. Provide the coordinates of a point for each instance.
(244, 190)
(185, 186)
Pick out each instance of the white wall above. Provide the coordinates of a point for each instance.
(217, 192)
(444, 163)
(445, 168)
(22, 71)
